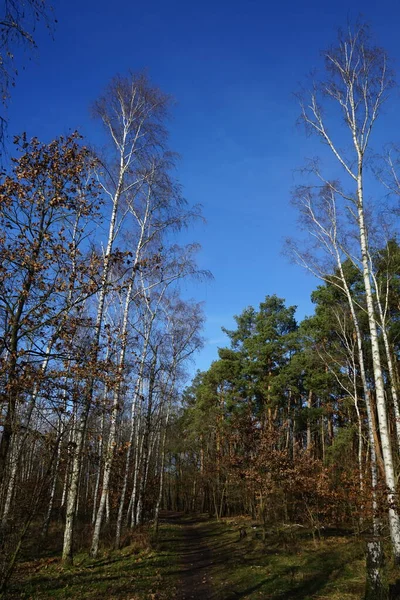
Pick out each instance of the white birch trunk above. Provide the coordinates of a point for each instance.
(162, 467)
(394, 521)
(136, 473)
(54, 483)
(392, 374)
(116, 400)
(68, 464)
(100, 454)
(128, 455)
(367, 397)
(67, 554)
(358, 82)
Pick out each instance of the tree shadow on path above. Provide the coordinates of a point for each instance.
(215, 565)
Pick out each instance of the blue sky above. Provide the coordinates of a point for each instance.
(232, 67)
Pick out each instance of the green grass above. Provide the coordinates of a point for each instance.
(333, 569)
(288, 565)
(137, 572)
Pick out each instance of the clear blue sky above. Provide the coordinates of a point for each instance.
(233, 67)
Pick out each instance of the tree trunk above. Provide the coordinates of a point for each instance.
(394, 521)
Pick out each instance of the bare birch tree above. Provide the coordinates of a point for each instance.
(358, 82)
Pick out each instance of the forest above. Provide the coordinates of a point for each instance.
(120, 471)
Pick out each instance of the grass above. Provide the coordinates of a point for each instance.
(140, 571)
(293, 568)
(287, 565)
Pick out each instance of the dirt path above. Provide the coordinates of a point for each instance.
(196, 561)
(200, 551)
(215, 563)
(195, 557)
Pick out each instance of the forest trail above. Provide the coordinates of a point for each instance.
(195, 558)
(202, 553)
(213, 563)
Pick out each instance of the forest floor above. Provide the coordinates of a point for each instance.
(197, 558)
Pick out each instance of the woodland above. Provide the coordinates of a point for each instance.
(290, 440)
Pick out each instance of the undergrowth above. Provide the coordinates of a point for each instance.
(283, 563)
